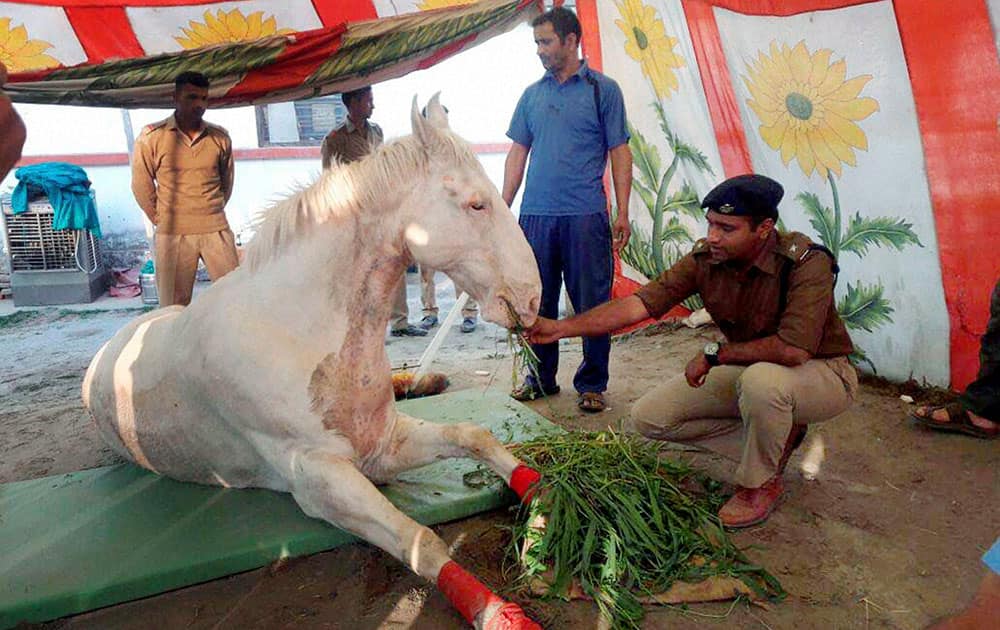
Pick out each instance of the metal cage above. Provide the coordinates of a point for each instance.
(32, 244)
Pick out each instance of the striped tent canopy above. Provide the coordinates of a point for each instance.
(126, 53)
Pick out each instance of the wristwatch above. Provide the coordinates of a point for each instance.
(711, 352)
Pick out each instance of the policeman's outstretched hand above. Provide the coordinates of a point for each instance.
(696, 371)
(544, 330)
(620, 233)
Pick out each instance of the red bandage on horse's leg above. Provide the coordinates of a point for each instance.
(464, 591)
(523, 480)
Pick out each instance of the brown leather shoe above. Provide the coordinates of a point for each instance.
(750, 506)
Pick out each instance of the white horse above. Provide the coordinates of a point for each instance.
(277, 376)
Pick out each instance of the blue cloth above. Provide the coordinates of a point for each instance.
(579, 248)
(568, 146)
(992, 557)
(68, 190)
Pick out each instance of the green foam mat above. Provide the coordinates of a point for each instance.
(75, 542)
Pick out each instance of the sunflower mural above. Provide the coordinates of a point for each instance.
(652, 252)
(19, 52)
(647, 42)
(809, 112)
(227, 27)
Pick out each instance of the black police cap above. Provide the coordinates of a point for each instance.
(746, 196)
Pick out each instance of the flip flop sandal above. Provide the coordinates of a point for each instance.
(958, 421)
(591, 402)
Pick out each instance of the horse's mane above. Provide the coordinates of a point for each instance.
(347, 189)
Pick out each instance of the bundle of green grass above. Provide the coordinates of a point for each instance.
(617, 523)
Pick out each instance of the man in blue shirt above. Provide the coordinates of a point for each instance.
(570, 121)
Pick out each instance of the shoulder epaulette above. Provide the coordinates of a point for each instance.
(794, 245)
(797, 247)
(151, 127)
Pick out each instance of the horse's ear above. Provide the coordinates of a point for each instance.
(422, 127)
(436, 113)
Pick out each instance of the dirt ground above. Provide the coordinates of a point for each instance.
(883, 525)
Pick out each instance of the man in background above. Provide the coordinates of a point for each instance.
(182, 177)
(351, 141)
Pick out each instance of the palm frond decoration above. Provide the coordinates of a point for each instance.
(687, 201)
(864, 307)
(675, 232)
(858, 356)
(863, 233)
(648, 196)
(653, 253)
(822, 220)
(682, 151)
(638, 253)
(661, 115)
(646, 159)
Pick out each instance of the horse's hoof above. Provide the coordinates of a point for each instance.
(508, 617)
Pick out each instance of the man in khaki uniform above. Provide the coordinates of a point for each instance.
(182, 177)
(783, 363)
(351, 141)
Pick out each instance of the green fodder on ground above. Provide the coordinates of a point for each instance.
(623, 522)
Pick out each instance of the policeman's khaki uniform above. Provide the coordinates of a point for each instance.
(183, 185)
(749, 411)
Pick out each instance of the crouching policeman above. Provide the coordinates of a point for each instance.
(782, 364)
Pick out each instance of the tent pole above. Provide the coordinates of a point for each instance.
(130, 145)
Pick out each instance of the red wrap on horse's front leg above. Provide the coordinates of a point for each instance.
(523, 481)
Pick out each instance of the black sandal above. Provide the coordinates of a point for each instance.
(591, 402)
(958, 421)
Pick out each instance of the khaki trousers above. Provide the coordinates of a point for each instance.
(762, 401)
(429, 299)
(177, 262)
(400, 317)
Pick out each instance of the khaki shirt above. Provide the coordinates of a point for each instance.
(746, 305)
(348, 143)
(181, 184)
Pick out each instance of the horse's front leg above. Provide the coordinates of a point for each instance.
(330, 487)
(416, 442)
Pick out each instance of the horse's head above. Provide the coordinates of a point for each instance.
(460, 225)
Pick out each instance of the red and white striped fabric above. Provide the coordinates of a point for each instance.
(125, 53)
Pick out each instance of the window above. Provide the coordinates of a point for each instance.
(301, 123)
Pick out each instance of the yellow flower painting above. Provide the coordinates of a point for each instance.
(807, 107)
(227, 27)
(427, 5)
(647, 42)
(19, 52)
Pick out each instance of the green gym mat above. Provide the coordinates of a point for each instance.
(75, 542)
